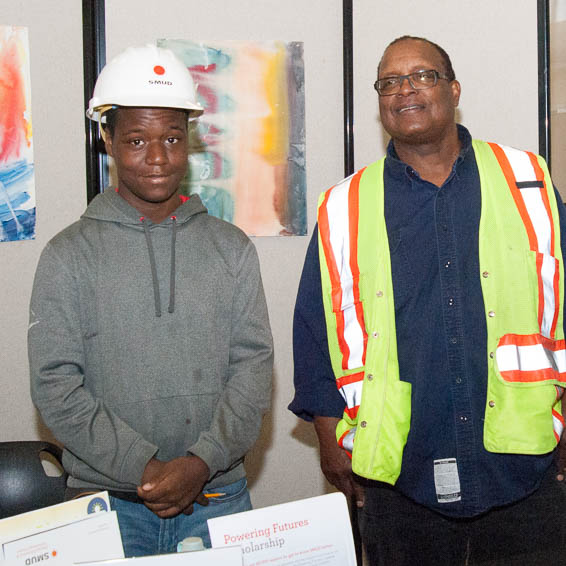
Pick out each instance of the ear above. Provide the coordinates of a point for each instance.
(108, 144)
(456, 91)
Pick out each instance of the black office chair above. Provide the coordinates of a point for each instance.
(24, 485)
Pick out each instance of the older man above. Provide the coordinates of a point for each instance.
(429, 334)
(149, 340)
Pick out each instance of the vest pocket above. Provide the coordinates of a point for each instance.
(521, 420)
(379, 445)
(525, 360)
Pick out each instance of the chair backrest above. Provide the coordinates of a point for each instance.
(24, 485)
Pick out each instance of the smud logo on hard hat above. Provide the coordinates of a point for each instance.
(159, 70)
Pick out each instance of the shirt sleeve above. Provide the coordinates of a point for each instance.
(316, 393)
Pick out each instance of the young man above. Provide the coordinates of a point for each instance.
(149, 341)
(429, 335)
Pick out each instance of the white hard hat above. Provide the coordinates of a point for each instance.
(144, 76)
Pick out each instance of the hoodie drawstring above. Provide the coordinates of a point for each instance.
(172, 275)
(156, 294)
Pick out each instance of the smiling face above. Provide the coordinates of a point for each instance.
(150, 149)
(412, 116)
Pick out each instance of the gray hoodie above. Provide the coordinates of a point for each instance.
(149, 340)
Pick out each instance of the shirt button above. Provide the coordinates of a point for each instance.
(451, 302)
(363, 424)
(464, 419)
(375, 334)
(458, 380)
(454, 340)
(485, 274)
(379, 294)
(370, 376)
(491, 354)
(491, 314)
(448, 264)
(491, 404)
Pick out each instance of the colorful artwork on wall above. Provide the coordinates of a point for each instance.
(17, 186)
(247, 159)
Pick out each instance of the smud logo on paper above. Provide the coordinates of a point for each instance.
(40, 557)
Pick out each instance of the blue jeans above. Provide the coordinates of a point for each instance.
(144, 533)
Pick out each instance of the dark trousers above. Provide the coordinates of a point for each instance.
(396, 531)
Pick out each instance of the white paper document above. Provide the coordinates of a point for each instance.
(40, 520)
(309, 532)
(94, 538)
(228, 556)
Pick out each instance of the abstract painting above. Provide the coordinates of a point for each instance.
(17, 187)
(247, 160)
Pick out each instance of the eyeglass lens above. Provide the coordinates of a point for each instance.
(419, 81)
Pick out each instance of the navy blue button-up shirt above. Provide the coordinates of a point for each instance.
(441, 338)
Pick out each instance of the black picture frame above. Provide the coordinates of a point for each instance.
(348, 78)
(94, 59)
(543, 39)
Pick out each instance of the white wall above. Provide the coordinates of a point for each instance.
(55, 37)
(494, 50)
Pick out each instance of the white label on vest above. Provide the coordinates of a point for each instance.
(447, 480)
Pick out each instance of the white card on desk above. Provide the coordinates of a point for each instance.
(227, 556)
(305, 532)
(33, 522)
(95, 538)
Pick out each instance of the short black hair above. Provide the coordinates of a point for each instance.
(112, 115)
(448, 69)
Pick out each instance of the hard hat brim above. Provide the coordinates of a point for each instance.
(97, 109)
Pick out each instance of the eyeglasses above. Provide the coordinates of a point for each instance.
(420, 80)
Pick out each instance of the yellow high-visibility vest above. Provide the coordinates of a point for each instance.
(522, 280)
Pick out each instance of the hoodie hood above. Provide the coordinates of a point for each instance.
(111, 207)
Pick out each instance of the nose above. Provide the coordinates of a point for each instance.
(405, 85)
(156, 153)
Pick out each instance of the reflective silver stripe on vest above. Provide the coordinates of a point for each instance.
(347, 441)
(535, 357)
(542, 225)
(339, 227)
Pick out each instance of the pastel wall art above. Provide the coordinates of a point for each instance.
(247, 159)
(17, 186)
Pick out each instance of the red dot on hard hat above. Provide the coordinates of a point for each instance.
(158, 70)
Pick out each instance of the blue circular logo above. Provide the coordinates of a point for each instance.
(96, 505)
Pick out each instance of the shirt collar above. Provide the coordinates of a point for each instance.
(398, 167)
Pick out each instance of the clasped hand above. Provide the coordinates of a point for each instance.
(170, 488)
